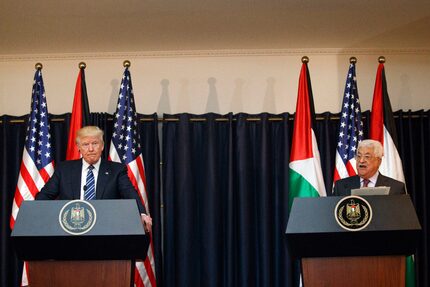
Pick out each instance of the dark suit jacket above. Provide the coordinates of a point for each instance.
(343, 187)
(112, 183)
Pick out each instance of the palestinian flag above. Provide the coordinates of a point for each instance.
(383, 129)
(80, 114)
(306, 179)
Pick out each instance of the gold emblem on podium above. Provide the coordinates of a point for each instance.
(77, 217)
(353, 213)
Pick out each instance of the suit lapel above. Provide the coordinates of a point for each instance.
(75, 179)
(102, 179)
(352, 184)
(381, 181)
(356, 182)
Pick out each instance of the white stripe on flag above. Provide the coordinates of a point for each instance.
(24, 279)
(142, 269)
(310, 168)
(32, 170)
(139, 179)
(23, 189)
(50, 168)
(340, 166)
(391, 163)
(15, 209)
(113, 154)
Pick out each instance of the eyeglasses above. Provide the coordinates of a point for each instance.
(365, 157)
(86, 146)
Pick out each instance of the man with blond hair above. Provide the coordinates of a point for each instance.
(92, 177)
(368, 159)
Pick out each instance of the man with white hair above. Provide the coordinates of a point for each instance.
(368, 159)
(92, 177)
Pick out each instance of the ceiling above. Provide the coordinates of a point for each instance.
(83, 26)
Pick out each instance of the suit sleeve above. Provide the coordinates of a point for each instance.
(51, 189)
(336, 189)
(127, 190)
(398, 187)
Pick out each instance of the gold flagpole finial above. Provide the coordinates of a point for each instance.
(353, 60)
(126, 64)
(381, 59)
(305, 59)
(38, 66)
(82, 65)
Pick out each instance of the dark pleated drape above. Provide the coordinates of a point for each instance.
(225, 191)
(414, 144)
(226, 194)
(12, 134)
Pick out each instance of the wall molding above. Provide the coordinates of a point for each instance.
(213, 53)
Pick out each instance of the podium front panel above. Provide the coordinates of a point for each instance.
(313, 231)
(117, 233)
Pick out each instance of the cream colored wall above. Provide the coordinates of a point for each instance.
(215, 81)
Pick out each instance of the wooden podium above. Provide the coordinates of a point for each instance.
(103, 273)
(60, 253)
(333, 256)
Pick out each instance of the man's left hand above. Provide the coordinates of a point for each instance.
(147, 222)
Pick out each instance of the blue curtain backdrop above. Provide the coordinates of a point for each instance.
(225, 191)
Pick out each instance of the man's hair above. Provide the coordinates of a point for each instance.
(378, 150)
(89, 131)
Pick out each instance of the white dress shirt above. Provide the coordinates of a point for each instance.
(84, 172)
(372, 180)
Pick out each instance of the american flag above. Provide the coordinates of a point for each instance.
(350, 129)
(125, 147)
(37, 165)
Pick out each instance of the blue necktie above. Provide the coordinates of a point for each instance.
(90, 191)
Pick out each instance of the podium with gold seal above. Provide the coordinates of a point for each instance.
(80, 243)
(353, 240)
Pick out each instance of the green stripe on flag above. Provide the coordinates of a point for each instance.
(300, 187)
(410, 272)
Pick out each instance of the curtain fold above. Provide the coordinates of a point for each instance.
(196, 158)
(225, 200)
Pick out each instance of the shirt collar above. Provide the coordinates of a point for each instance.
(85, 164)
(372, 179)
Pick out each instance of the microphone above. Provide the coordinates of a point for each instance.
(85, 187)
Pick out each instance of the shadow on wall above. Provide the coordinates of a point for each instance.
(212, 103)
(269, 104)
(183, 99)
(236, 101)
(164, 103)
(113, 99)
